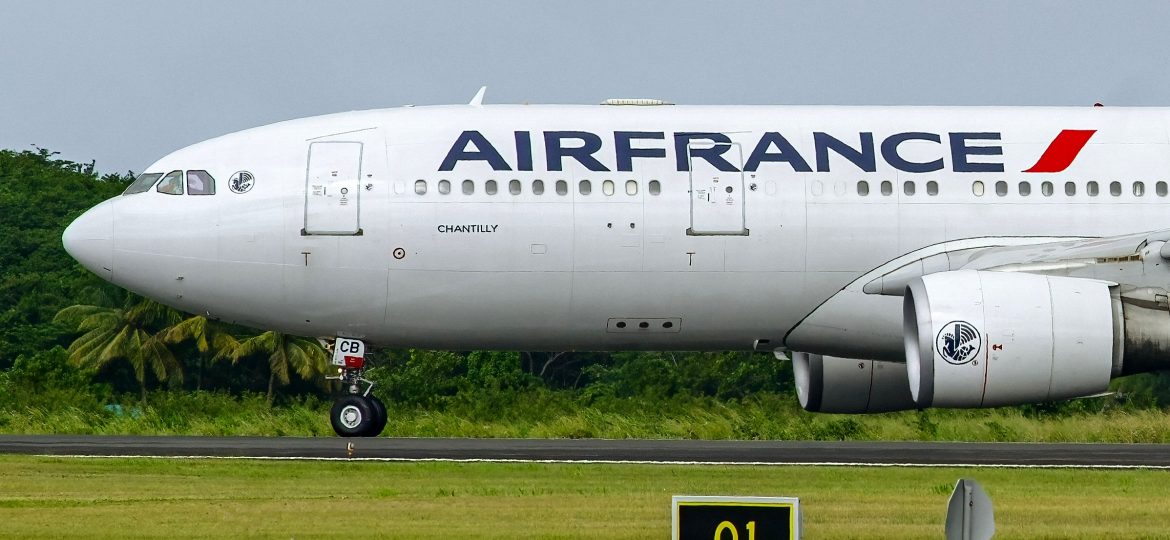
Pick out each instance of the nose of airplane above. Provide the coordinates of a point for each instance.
(90, 239)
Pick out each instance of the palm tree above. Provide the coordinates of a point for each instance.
(212, 339)
(285, 353)
(125, 333)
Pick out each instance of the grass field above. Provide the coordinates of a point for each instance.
(550, 415)
(156, 498)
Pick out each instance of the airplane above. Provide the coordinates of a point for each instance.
(901, 257)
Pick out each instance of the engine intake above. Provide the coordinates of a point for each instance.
(843, 385)
(986, 339)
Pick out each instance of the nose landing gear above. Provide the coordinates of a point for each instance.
(357, 413)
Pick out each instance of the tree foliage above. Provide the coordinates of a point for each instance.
(39, 196)
(284, 354)
(133, 333)
(213, 341)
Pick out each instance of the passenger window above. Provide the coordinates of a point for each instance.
(146, 181)
(514, 187)
(562, 187)
(1160, 188)
(1091, 189)
(420, 187)
(584, 187)
(489, 187)
(887, 188)
(908, 188)
(1001, 188)
(1139, 189)
(863, 188)
(1115, 188)
(655, 187)
(444, 187)
(631, 187)
(200, 183)
(538, 187)
(1025, 188)
(977, 188)
(607, 187)
(468, 187)
(1046, 189)
(1070, 188)
(172, 183)
(932, 188)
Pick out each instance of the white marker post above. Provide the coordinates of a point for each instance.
(969, 512)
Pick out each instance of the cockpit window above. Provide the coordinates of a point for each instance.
(143, 183)
(200, 183)
(172, 183)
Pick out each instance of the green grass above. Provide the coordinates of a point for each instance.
(161, 498)
(551, 415)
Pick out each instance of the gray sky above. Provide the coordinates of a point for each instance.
(127, 82)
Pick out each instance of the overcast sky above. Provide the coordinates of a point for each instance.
(127, 82)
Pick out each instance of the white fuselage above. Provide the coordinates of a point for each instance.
(633, 225)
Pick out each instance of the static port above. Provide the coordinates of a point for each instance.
(643, 324)
(667, 324)
(621, 324)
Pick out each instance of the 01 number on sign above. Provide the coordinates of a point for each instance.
(729, 527)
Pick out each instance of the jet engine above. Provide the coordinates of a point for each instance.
(986, 339)
(843, 385)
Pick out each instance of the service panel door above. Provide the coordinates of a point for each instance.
(717, 196)
(332, 197)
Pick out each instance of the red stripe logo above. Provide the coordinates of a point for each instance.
(1063, 150)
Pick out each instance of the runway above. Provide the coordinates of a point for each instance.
(604, 451)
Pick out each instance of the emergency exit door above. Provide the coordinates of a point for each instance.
(717, 196)
(332, 189)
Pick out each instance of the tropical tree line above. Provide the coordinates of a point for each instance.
(143, 334)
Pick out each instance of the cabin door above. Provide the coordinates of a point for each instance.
(332, 194)
(717, 196)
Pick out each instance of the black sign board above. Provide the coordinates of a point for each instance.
(736, 518)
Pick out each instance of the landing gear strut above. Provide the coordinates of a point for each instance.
(357, 413)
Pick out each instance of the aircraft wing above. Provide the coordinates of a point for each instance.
(1132, 260)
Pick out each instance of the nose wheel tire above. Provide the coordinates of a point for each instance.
(356, 415)
(352, 416)
(380, 418)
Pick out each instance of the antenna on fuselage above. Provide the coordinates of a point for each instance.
(478, 99)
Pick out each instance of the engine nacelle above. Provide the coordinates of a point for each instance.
(986, 339)
(843, 385)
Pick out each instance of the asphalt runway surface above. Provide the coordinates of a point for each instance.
(602, 451)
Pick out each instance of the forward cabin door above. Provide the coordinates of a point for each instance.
(332, 194)
(717, 196)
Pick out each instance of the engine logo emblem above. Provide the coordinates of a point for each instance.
(959, 342)
(241, 182)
